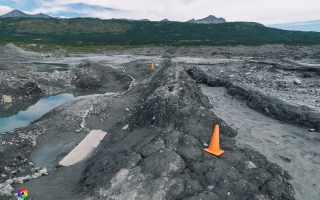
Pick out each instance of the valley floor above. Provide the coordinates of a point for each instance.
(264, 98)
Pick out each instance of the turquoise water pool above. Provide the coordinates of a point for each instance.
(24, 118)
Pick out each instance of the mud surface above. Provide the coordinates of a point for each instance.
(294, 148)
(159, 123)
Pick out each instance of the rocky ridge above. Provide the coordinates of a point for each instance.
(208, 20)
(159, 155)
(18, 13)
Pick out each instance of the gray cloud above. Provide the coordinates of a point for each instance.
(266, 12)
(5, 10)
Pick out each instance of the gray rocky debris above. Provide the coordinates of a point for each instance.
(205, 144)
(18, 180)
(9, 181)
(83, 122)
(32, 45)
(210, 187)
(35, 175)
(297, 82)
(125, 127)
(55, 73)
(6, 190)
(43, 172)
(250, 165)
(167, 123)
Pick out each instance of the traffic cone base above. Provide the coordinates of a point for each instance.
(214, 147)
(216, 153)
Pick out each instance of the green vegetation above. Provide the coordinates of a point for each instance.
(91, 33)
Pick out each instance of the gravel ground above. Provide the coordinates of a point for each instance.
(160, 155)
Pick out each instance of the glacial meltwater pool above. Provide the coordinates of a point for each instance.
(24, 118)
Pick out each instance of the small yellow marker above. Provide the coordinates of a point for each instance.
(152, 65)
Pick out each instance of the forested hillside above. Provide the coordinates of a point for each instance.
(80, 31)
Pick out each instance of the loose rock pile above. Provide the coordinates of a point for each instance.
(159, 155)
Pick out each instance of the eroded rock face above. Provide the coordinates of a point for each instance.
(30, 88)
(90, 76)
(263, 86)
(87, 77)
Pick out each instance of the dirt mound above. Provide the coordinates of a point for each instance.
(157, 152)
(94, 76)
(14, 50)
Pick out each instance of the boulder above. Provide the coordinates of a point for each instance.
(55, 73)
(43, 172)
(30, 88)
(125, 127)
(7, 190)
(249, 165)
(9, 181)
(18, 180)
(7, 99)
(297, 82)
(35, 175)
(86, 76)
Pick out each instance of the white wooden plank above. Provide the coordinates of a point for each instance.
(84, 148)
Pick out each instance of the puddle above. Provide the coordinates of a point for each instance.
(292, 148)
(24, 118)
(203, 61)
(50, 153)
(114, 61)
(50, 67)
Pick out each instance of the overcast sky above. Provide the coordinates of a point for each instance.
(263, 11)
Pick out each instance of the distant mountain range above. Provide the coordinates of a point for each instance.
(132, 20)
(18, 13)
(208, 20)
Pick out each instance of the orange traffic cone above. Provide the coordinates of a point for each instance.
(214, 147)
(152, 65)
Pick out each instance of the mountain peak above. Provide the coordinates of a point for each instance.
(165, 20)
(19, 13)
(211, 19)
